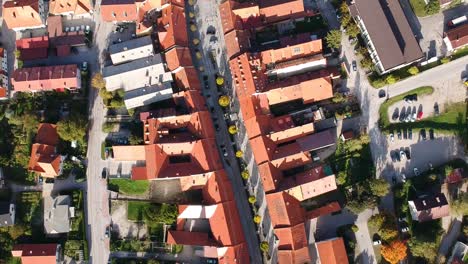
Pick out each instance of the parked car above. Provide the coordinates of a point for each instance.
(394, 180)
(410, 133)
(423, 134)
(397, 155)
(395, 115)
(413, 117)
(392, 138)
(405, 133)
(84, 66)
(431, 134)
(107, 233)
(402, 154)
(408, 153)
(382, 93)
(393, 156)
(402, 219)
(420, 115)
(416, 172)
(403, 177)
(399, 134)
(104, 173)
(436, 109)
(404, 229)
(354, 66)
(377, 242)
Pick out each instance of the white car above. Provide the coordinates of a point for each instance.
(413, 117)
(402, 154)
(402, 219)
(392, 137)
(416, 172)
(405, 229)
(377, 242)
(403, 177)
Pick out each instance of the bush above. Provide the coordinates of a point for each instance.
(445, 60)
(333, 39)
(98, 81)
(413, 70)
(354, 228)
(433, 7)
(108, 127)
(376, 221)
(391, 79)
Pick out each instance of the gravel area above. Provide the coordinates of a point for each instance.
(120, 223)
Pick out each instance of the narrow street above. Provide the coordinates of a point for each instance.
(208, 14)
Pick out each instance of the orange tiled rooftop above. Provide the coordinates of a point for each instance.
(46, 78)
(19, 14)
(172, 28)
(44, 160)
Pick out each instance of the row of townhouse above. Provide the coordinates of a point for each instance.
(294, 72)
(179, 138)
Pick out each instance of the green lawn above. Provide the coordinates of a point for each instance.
(384, 121)
(418, 7)
(136, 210)
(127, 186)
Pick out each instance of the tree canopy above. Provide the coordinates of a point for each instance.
(333, 39)
(98, 81)
(394, 252)
(460, 205)
(379, 187)
(72, 128)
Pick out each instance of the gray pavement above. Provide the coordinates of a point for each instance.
(208, 15)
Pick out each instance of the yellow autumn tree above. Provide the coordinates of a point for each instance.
(394, 252)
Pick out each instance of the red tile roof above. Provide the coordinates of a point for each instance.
(75, 7)
(218, 189)
(293, 52)
(332, 251)
(189, 238)
(178, 57)
(47, 134)
(164, 160)
(458, 36)
(119, 10)
(3, 92)
(22, 14)
(186, 78)
(285, 210)
(237, 41)
(293, 237)
(33, 43)
(46, 78)
(324, 210)
(36, 253)
(192, 100)
(172, 28)
(299, 256)
(278, 10)
(198, 126)
(234, 254)
(44, 159)
(225, 224)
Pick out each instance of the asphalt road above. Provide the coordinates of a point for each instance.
(208, 14)
(97, 208)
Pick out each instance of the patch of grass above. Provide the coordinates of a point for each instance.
(129, 187)
(383, 111)
(136, 210)
(310, 24)
(419, 7)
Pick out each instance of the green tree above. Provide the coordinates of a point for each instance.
(264, 247)
(363, 52)
(117, 102)
(367, 63)
(433, 7)
(338, 98)
(341, 177)
(345, 20)
(72, 128)
(352, 30)
(379, 187)
(376, 221)
(333, 39)
(460, 205)
(344, 8)
(361, 203)
(423, 249)
(413, 70)
(252, 199)
(135, 140)
(108, 127)
(98, 81)
(357, 144)
(448, 170)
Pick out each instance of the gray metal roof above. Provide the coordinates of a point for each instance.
(56, 214)
(131, 44)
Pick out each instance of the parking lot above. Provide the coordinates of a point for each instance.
(429, 30)
(423, 107)
(422, 152)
